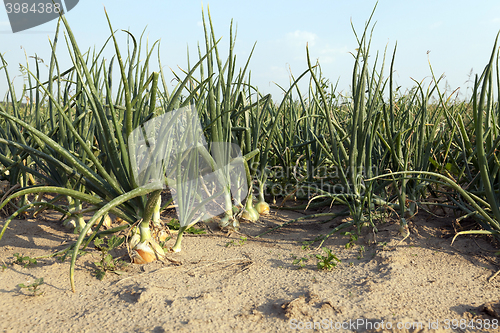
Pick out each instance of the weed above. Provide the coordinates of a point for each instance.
(108, 263)
(25, 261)
(174, 224)
(300, 262)
(63, 256)
(353, 237)
(4, 265)
(164, 245)
(241, 242)
(33, 287)
(361, 252)
(306, 244)
(326, 262)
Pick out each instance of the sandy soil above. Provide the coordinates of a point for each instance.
(218, 283)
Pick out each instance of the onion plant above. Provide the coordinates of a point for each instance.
(227, 114)
(102, 166)
(345, 147)
(353, 149)
(93, 147)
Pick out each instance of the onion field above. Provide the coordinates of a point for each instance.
(88, 144)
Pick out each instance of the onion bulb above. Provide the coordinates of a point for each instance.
(146, 252)
(262, 208)
(250, 213)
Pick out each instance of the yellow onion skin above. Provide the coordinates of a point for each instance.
(135, 240)
(146, 252)
(107, 221)
(143, 254)
(158, 250)
(250, 214)
(162, 236)
(262, 208)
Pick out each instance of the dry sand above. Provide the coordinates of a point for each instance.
(220, 285)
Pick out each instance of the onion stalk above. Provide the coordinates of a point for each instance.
(76, 220)
(156, 212)
(147, 250)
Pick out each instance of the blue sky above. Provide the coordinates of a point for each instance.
(458, 34)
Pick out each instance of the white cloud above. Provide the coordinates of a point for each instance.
(294, 44)
(436, 25)
(301, 38)
(329, 54)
